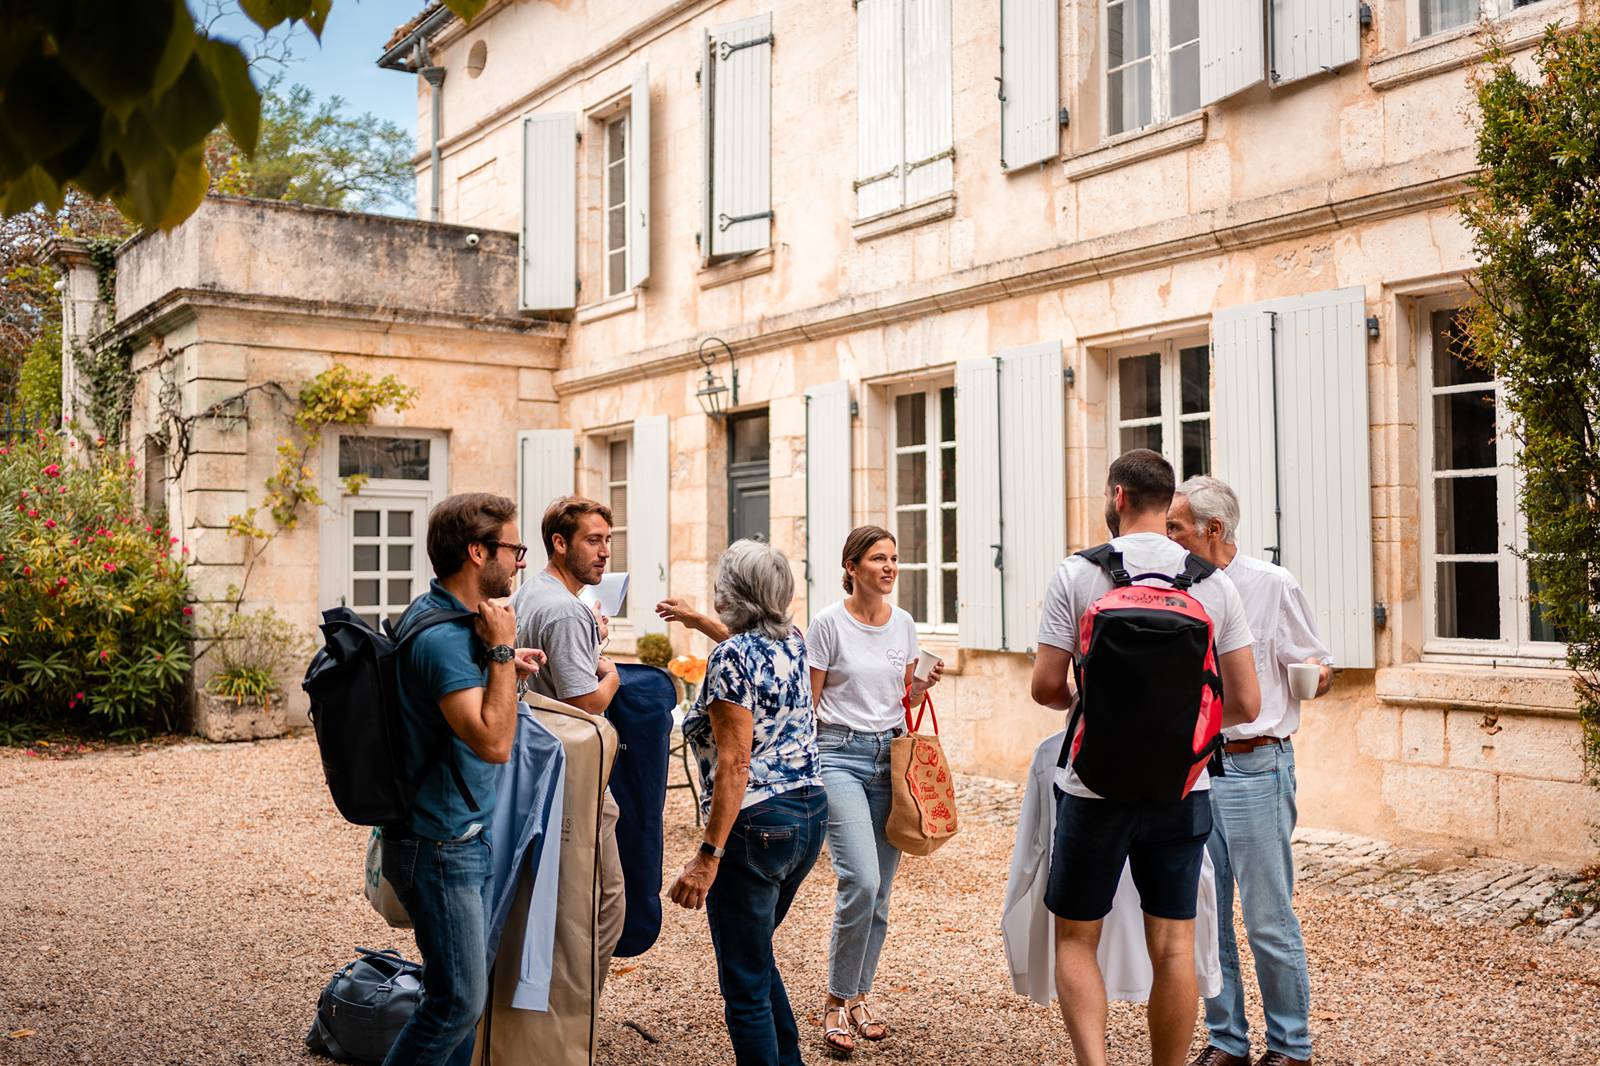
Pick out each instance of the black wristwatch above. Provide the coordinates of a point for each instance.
(711, 851)
(502, 653)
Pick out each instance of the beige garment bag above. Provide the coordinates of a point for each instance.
(565, 1034)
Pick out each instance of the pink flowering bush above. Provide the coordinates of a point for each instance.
(94, 630)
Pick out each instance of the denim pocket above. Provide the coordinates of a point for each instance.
(772, 850)
(400, 864)
(1261, 762)
(828, 740)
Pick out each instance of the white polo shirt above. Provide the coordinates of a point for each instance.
(1280, 617)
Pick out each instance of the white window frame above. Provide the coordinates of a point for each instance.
(611, 478)
(1171, 418)
(937, 569)
(1160, 68)
(1487, 9)
(1511, 524)
(624, 116)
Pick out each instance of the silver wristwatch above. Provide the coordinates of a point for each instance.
(502, 653)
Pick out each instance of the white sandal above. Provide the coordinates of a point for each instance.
(838, 1051)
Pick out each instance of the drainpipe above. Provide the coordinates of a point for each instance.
(409, 55)
(434, 76)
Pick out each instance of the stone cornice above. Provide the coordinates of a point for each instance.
(1239, 226)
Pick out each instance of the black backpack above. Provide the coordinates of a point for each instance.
(362, 1010)
(353, 682)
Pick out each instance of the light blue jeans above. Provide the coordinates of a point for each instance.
(855, 772)
(1254, 812)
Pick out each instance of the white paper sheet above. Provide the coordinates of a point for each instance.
(609, 594)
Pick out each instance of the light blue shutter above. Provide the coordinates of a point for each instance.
(649, 523)
(828, 513)
(978, 516)
(549, 260)
(1324, 478)
(1232, 47)
(639, 180)
(880, 106)
(1243, 417)
(1030, 82)
(741, 138)
(929, 145)
(1313, 37)
(546, 467)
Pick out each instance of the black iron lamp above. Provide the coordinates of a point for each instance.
(715, 397)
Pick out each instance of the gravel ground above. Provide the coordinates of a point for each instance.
(185, 904)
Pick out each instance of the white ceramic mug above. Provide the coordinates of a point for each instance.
(1303, 679)
(926, 661)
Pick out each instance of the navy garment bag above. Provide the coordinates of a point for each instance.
(641, 713)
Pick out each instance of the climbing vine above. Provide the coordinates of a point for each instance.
(107, 372)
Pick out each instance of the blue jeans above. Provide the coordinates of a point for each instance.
(445, 889)
(855, 771)
(1254, 809)
(772, 847)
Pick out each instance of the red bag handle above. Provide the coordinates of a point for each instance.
(926, 707)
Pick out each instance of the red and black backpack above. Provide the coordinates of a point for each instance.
(1149, 711)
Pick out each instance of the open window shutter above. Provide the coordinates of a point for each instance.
(1313, 36)
(828, 515)
(550, 212)
(649, 524)
(1030, 82)
(1033, 481)
(880, 105)
(546, 465)
(1243, 418)
(741, 138)
(1232, 47)
(639, 181)
(1322, 440)
(978, 515)
(929, 143)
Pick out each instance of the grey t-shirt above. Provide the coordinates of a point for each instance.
(559, 624)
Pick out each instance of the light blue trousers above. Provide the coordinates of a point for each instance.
(1253, 810)
(855, 772)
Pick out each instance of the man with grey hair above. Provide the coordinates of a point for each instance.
(1253, 805)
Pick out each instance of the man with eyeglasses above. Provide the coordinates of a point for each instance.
(577, 541)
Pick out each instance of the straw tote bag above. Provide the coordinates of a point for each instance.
(922, 810)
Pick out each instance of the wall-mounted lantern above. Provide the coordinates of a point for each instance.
(715, 397)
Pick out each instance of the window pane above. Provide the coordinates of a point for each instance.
(1466, 520)
(1141, 437)
(616, 139)
(1440, 15)
(1463, 431)
(399, 524)
(617, 460)
(1139, 387)
(1450, 350)
(619, 553)
(1129, 96)
(912, 536)
(911, 477)
(364, 558)
(1127, 31)
(616, 187)
(947, 535)
(1194, 376)
(750, 444)
(616, 273)
(616, 228)
(366, 523)
(947, 596)
(366, 593)
(910, 420)
(1183, 22)
(1183, 81)
(400, 557)
(913, 594)
(399, 591)
(402, 458)
(1196, 448)
(947, 475)
(1469, 601)
(619, 505)
(1539, 625)
(947, 414)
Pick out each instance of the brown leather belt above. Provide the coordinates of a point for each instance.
(1239, 747)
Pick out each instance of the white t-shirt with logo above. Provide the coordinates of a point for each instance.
(866, 667)
(1077, 583)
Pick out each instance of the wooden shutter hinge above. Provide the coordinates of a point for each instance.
(724, 220)
(727, 48)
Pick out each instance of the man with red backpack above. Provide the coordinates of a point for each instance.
(1149, 649)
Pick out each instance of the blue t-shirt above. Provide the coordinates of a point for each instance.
(446, 658)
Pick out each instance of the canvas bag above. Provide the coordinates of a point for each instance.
(380, 893)
(922, 809)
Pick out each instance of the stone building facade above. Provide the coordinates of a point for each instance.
(783, 269)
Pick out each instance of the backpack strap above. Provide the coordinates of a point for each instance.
(426, 620)
(1195, 570)
(1109, 560)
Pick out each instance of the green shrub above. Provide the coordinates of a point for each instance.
(254, 648)
(94, 628)
(654, 649)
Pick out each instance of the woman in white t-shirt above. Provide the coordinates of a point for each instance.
(862, 654)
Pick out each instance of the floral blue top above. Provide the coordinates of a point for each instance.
(769, 679)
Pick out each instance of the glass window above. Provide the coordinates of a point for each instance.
(1162, 401)
(616, 498)
(615, 241)
(924, 493)
(385, 558)
(391, 458)
(1152, 62)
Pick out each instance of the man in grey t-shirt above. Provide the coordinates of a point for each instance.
(577, 539)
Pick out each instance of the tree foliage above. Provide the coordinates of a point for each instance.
(1534, 214)
(118, 99)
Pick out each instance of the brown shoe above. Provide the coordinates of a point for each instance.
(1278, 1058)
(1215, 1056)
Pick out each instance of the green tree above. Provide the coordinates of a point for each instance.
(117, 100)
(1534, 213)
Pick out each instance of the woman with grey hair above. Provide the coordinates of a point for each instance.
(766, 814)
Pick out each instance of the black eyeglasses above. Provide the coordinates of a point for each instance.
(496, 545)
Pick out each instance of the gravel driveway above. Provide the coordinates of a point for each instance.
(184, 904)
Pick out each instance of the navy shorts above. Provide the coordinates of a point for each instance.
(1163, 842)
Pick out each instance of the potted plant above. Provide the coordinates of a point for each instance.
(654, 649)
(243, 699)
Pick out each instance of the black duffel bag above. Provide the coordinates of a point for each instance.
(364, 1007)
